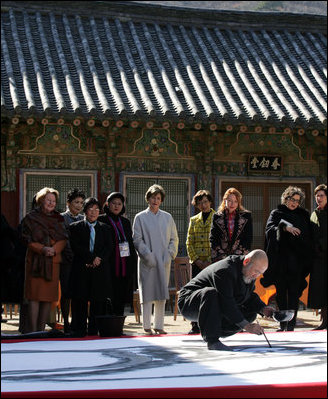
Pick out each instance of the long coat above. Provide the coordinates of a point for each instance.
(318, 275)
(279, 245)
(85, 282)
(241, 240)
(42, 272)
(155, 238)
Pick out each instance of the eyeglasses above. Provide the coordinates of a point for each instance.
(294, 200)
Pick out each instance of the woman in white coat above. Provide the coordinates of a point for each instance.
(156, 240)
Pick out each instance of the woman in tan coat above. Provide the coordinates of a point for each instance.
(44, 233)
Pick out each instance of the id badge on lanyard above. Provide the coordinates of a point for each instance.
(124, 249)
(123, 246)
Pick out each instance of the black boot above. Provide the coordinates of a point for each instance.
(283, 326)
(323, 325)
(194, 328)
(291, 324)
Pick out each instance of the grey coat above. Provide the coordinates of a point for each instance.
(156, 240)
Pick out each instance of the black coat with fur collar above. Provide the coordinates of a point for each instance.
(280, 243)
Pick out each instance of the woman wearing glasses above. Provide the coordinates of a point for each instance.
(289, 249)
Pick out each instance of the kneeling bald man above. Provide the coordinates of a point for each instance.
(222, 300)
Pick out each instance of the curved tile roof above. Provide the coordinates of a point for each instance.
(127, 60)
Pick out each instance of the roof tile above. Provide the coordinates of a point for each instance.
(119, 62)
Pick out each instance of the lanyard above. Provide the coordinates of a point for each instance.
(116, 229)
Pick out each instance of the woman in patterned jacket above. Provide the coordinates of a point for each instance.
(232, 227)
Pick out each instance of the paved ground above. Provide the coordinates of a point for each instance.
(307, 320)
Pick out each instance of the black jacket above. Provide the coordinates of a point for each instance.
(227, 278)
(85, 282)
(280, 243)
(317, 298)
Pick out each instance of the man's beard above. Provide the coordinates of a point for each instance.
(248, 280)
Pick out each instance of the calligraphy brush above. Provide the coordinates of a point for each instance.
(265, 336)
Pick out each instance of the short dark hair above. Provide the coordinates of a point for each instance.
(154, 190)
(90, 202)
(321, 187)
(111, 196)
(75, 193)
(199, 195)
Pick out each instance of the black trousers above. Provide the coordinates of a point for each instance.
(122, 293)
(203, 306)
(290, 286)
(84, 321)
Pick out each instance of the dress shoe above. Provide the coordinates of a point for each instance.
(92, 331)
(194, 330)
(218, 346)
(283, 326)
(159, 331)
(78, 334)
(321, 327)
(148, 331)
(67, 328)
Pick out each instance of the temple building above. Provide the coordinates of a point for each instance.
(116, 96)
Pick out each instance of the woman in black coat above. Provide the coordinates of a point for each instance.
(289, 248)
(124, 259)
(90, 280)
(232, 228)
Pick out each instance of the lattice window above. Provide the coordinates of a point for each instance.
(177, 192)
(176, 202)
(33, 181)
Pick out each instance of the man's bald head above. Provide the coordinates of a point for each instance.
(255, 264)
